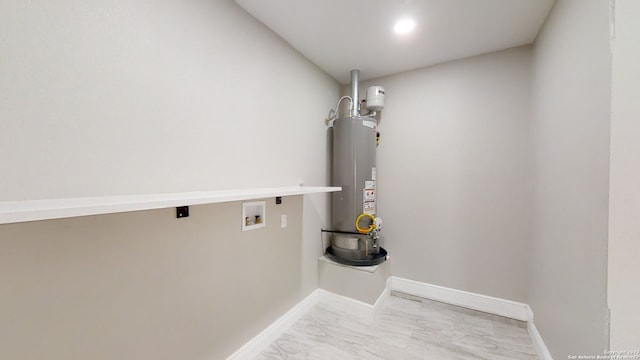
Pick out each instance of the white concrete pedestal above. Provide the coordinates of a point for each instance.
(362, 283)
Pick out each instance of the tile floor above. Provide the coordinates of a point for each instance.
(407, 327)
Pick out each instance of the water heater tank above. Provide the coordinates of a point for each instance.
(375, 98)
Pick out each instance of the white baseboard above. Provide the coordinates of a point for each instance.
(484, 303)
(361, 309)
(538, 344)
(352, 306)
(261, 341)
(536, 339)
(253, 347)
(381, 301)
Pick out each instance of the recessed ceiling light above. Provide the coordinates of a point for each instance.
(404, 26)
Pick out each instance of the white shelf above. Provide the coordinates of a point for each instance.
(32, 210)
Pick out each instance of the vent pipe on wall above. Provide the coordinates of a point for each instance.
(355, 100)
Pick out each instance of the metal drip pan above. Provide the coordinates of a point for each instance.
(376, 259)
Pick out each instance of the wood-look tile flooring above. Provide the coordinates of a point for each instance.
(406, 328)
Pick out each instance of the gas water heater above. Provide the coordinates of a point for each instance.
(355, 235)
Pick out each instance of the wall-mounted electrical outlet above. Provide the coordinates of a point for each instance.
(283, 220)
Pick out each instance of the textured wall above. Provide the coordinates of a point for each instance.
(145, 285)
(454, 173)
(624, 231)
(116, 97)
(119, 97)
(571, 112)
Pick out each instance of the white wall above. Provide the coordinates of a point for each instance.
(453, 173)
(624, 227)
(102, 97)
(571, 111)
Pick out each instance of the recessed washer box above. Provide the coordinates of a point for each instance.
(254, 215)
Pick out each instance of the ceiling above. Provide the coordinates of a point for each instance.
(340, 35)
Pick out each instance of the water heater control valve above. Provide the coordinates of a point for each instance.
(378, 222)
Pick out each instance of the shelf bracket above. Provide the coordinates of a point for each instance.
(182, 212)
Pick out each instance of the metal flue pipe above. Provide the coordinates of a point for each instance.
(355, 100)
